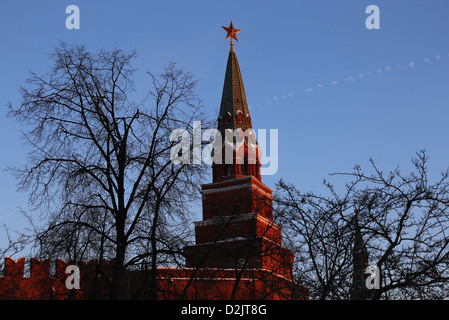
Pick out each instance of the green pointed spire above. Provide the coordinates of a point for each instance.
(234, 111)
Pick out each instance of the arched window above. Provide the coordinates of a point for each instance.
(239, 117)
(228, 118)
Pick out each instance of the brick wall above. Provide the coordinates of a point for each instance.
(47, 282)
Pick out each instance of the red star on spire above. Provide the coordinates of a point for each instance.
(232, 33)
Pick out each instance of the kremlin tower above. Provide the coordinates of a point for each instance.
(237, 231)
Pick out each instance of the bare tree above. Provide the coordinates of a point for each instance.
(317, 231)
(99, 170)
(404, 222)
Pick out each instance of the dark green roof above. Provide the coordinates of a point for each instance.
(233, 99)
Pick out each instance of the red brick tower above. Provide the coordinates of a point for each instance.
(237, 230)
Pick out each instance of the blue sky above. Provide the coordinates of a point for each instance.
(337, 92)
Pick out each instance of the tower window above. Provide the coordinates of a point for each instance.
(239, 116)
(228, 118)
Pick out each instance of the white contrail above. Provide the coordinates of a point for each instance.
(334, 79)
(10, 213)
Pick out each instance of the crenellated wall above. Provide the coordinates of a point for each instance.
(46, 281)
